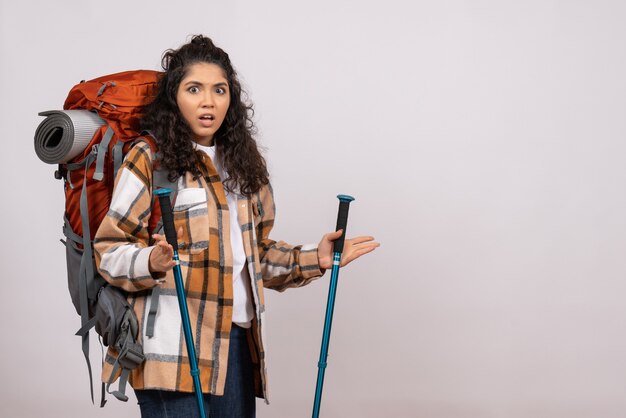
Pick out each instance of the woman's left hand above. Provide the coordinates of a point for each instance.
(353, 248)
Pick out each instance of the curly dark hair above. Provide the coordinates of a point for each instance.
(235, 145)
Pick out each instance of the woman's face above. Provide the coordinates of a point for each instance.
(203, 98)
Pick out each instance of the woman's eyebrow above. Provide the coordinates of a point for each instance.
(218, 84)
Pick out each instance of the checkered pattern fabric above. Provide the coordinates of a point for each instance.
(122, 248)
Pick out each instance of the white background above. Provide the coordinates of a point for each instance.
(483, 141)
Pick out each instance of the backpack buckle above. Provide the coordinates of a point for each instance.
(61, 173)
(131, 356)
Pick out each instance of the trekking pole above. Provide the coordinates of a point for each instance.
(342, 222)
(170, 235)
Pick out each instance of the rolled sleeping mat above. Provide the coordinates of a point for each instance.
(64, 134)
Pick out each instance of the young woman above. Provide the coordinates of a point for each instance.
(224, 212)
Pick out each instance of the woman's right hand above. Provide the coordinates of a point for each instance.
(161, 256)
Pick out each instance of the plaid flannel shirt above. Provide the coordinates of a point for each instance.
(122, 248)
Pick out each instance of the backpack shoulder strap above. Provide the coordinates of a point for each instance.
(160, 179)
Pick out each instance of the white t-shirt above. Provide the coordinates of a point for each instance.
(243, 311)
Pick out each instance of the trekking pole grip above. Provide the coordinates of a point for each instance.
(342, 221)
(168, 217)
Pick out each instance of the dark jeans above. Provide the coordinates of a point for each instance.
(238, 400)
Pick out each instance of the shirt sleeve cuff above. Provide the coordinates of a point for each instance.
(142, 265)
(309, 262)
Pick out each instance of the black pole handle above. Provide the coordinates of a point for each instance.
(168, 217)
(342, 221)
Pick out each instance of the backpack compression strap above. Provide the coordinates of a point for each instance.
(130, 355)
(101, 152)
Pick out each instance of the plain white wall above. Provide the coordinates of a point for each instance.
(484, 142)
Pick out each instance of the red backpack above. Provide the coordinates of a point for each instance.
(118, 101)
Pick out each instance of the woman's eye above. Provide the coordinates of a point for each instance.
(220, 90)
(193, 89)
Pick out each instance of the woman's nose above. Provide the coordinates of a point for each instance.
(207, 100)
